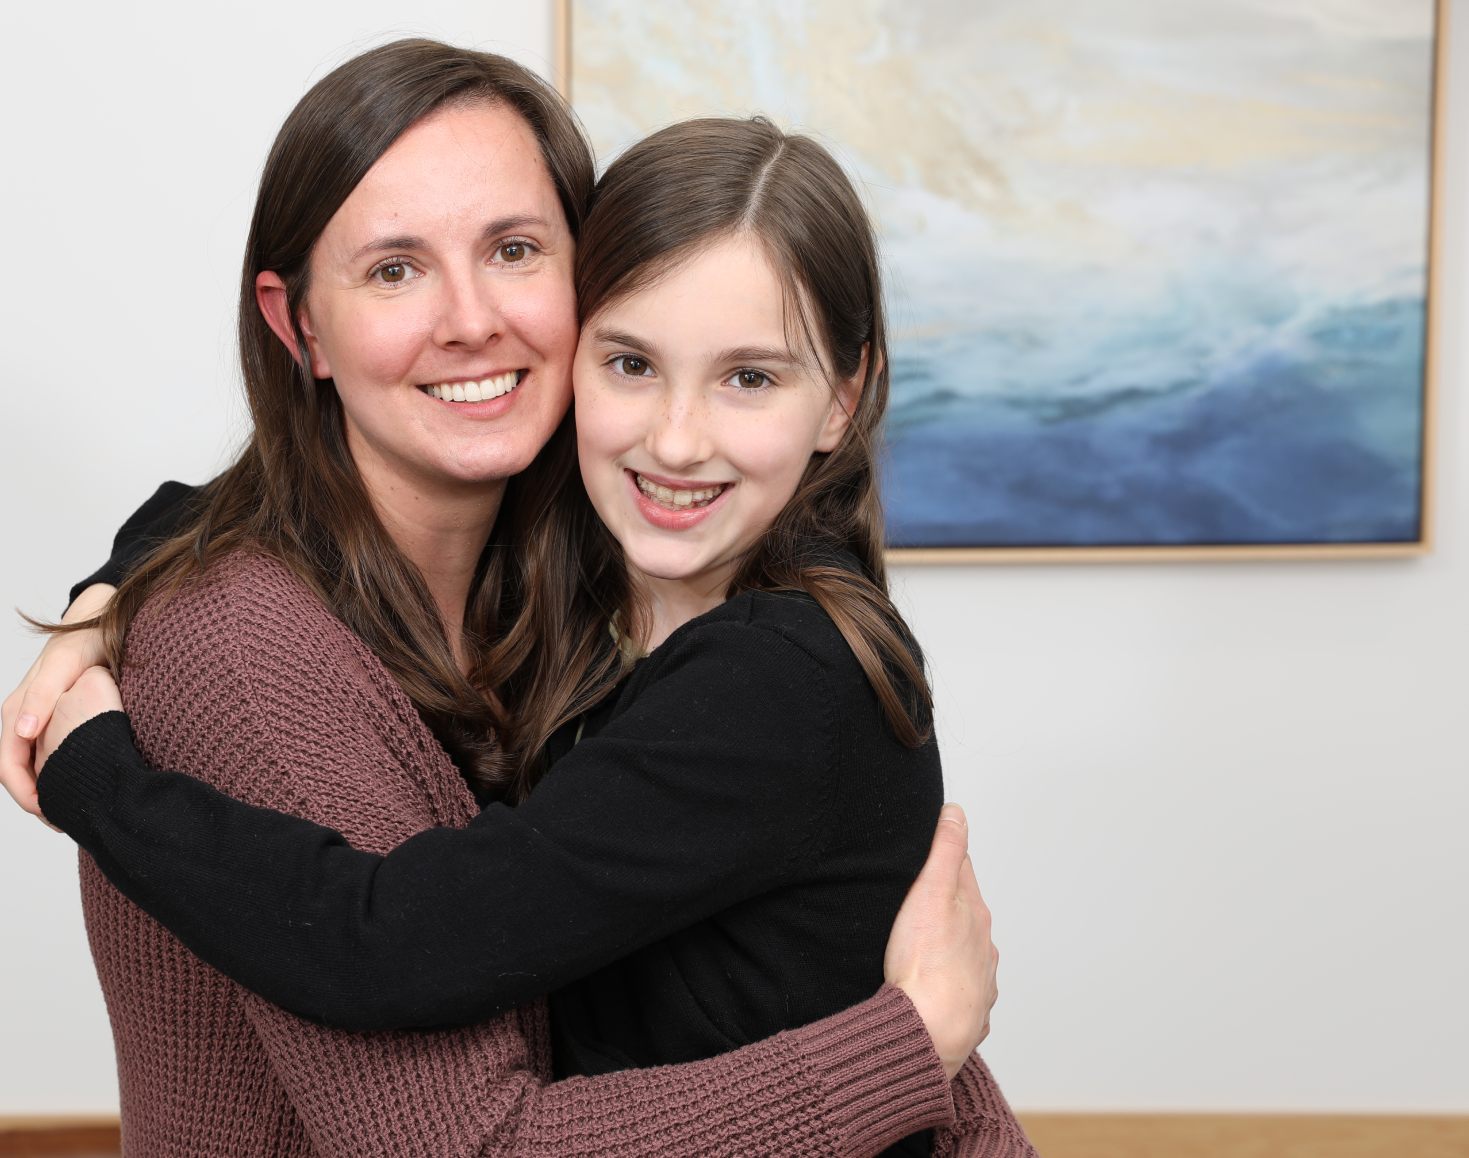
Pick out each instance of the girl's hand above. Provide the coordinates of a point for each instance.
(940, 953)
(93, 693)
(28, 709)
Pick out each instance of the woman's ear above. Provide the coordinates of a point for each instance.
(272, 299)
(845, 396)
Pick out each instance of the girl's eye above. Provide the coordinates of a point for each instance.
(394, 272)
(631, 366)
(750, 379)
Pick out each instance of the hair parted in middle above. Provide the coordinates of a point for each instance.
(666, 199)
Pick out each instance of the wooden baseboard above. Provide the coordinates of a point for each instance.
(1055, 1136)
(58, 1135)
(1247, 1136)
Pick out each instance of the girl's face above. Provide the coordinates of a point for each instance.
(441, 304)
(695, 419)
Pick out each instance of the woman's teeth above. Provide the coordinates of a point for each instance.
(481, 391)
(668, 497)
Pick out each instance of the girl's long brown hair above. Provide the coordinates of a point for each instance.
(294, 492)
(664, 200)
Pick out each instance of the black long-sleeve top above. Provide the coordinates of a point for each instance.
(720, 857)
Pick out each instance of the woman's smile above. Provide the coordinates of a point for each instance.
(476, 389)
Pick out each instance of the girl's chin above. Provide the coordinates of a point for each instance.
(694, 570)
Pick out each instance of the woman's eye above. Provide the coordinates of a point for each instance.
(394, 272)
(631, 366)
(750, 379)
(514, 252)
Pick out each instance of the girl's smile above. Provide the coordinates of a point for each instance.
(696, 421)
(673, 504)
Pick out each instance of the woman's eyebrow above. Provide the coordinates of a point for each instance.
(408, 243)
(401, 243)
(512, 224)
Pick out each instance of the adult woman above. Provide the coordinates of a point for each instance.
(388, 357)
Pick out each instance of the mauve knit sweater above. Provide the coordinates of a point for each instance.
(245, 681)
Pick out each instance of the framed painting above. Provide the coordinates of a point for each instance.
(1159, 271)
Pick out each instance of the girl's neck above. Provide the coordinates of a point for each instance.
(670, 603)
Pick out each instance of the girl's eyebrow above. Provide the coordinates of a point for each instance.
(735, 355)
(621, 338)
(759, 354)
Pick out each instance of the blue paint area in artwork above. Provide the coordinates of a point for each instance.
(1311, 438)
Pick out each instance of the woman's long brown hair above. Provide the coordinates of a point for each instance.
(667, 198)
(294, 492)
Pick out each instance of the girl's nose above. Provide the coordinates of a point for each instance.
(679, 436)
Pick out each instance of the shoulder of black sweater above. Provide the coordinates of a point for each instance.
(792, 616)
(161, 516)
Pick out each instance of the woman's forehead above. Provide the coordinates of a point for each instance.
(457, 171)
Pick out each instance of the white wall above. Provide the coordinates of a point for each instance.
(1219, 810)
(134, 136)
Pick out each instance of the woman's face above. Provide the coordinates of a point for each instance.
(441, 304)
(695, 419)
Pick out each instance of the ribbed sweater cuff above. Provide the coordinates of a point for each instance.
(876, 1105)
(78, 778)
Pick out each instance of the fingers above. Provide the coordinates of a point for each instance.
(968, 894)
(58, 670)
(28, 710)
(949, 851)
(17, 752)
(967, 885)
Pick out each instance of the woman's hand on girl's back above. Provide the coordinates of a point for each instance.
(28, 709)
(940, 953)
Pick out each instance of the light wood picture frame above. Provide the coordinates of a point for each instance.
(1160, 271)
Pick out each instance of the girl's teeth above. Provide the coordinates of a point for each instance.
(680, 499)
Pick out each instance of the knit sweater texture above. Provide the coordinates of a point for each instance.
(986, 1126)
(247, 671)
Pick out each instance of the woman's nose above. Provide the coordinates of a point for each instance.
(469, 311)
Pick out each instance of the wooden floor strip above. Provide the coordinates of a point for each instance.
(1247, 1136)
(60, 1136)
(1055, 1136)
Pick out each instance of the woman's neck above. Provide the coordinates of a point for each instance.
(442, 531)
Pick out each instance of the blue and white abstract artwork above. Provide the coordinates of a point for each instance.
(1157, 269)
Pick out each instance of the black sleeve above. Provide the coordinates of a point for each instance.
(157, 519)
(713, 786)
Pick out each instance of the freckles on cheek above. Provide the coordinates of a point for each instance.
(615, 424)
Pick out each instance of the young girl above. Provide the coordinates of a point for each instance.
(720, 846)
